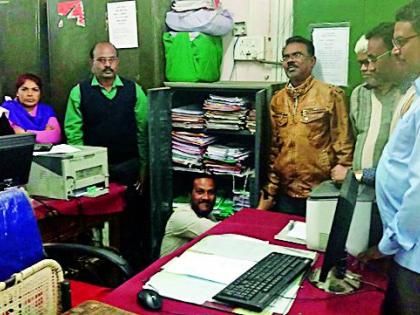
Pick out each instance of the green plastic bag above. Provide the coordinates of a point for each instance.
(192, 57)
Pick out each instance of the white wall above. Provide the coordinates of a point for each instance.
(271, 19)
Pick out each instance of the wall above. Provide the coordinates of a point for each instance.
(31, 41)
(362, 15)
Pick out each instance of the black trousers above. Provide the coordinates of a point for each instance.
(290, 205)
(403, 293)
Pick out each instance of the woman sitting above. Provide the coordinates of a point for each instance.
(27, 114)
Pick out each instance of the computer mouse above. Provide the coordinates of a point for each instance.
(149, 299)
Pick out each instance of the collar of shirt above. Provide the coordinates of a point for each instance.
(113, 91)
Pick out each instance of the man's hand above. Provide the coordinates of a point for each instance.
(371, 253)
(266, 201)
(338, 173)
(49, 127)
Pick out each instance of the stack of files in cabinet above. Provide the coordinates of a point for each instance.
(251, 120)
(225, 113)
(226, 159)
(186, 5)
(241, 200)
(188, 117)
(188, 149)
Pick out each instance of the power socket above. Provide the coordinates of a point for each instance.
(250, 48)
(239, 29)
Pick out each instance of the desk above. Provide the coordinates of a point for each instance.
(62, 220)
(262, 225)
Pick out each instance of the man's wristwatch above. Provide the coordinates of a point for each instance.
(359, 175)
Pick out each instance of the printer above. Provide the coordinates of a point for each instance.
(320, 210)
(67, 175)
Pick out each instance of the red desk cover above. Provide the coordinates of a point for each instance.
(112, 202)
(262, 225)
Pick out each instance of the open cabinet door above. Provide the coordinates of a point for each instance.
(160, 156)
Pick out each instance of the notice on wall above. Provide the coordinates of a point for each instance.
(122, 24)
(332, 53)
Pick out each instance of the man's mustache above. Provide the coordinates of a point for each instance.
(108, 69)
(291, 64)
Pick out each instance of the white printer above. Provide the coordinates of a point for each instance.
(320, 209)
(66, 175)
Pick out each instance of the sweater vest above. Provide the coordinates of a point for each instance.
(110, 123)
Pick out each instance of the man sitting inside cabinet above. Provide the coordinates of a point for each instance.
(188, 222)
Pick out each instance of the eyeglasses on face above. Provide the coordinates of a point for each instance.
(294, 56)
(373, 59)
(400, 41)
(104, 60)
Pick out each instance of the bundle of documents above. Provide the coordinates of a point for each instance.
(225, 113)
(186, 5)
(251, 120)
(188, 117)
(188, 149)
(226, 159)
(241, 200)
(215, 261)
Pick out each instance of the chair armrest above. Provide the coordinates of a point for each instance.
(61, 252)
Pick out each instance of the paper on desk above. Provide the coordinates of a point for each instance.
(298, 230)
(60, 148)
(208, 267)
(233, 246)
(184, 288)
(294, 232)
(282, 305)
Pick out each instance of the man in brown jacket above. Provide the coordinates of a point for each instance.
(311, 139)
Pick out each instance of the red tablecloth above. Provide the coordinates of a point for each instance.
(111, 202)
(262, 225)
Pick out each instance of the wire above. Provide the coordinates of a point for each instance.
(51, 211)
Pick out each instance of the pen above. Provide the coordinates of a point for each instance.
(291, 224)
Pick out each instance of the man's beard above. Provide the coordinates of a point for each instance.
(199, 212)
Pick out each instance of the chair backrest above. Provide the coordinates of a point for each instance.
(35, 290)
(20, 240)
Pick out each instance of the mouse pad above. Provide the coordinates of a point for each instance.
(95, 307)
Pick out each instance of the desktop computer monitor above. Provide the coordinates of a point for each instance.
(333, 271)
(15, 159)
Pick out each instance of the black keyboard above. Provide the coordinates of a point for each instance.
(261, 284)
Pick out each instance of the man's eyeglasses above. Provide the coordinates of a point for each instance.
(399, 42)
(373, 59)
(294, 56)
(104, 60)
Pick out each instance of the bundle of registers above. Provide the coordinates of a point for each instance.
(225, 113)
(188, 117)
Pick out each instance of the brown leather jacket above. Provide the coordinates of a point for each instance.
(310, 135)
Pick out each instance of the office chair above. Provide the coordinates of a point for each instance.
(22, 249)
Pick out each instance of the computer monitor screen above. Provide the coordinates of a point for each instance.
(15, 159)
(335, 254)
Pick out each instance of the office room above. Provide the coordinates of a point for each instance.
(263, 159)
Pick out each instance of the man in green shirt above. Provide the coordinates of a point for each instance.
(108, 110)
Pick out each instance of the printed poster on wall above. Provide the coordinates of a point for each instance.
(122, 24)
(332, 53)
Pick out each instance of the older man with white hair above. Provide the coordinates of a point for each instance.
(372, 103)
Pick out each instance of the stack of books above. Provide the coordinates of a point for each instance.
(251, 121)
